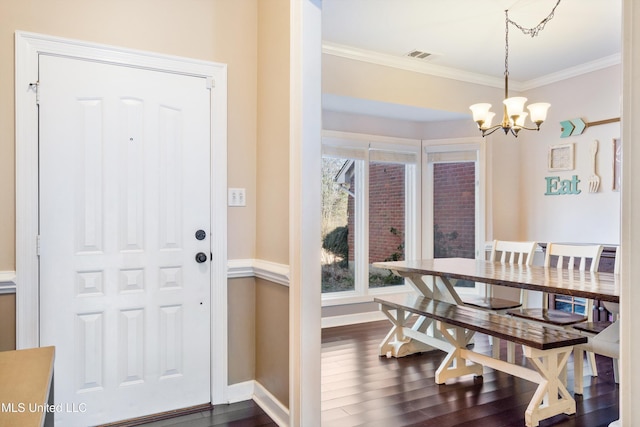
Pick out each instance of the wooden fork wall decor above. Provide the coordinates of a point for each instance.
(594, 179)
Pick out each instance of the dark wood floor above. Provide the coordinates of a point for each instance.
(361, 389)
(241, 414)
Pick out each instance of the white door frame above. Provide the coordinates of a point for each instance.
(28, 46)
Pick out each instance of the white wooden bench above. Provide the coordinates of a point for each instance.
(547, 349)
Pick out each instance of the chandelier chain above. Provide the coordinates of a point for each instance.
(533, 32)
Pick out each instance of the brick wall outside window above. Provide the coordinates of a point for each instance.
(386, 211)
(454, 208)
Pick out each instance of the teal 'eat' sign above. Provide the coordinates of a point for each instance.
(557, 186)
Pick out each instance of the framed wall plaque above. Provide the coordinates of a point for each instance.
(561, 157)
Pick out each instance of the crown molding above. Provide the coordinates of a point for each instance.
(598, 64)
(410, 64)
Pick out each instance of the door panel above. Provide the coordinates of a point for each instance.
(124, 185)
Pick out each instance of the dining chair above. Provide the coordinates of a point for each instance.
(614, 307)
(505, 252)
(605, 344)
(570, 257)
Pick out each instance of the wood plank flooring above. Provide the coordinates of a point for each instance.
(359, 388)
(241, 414)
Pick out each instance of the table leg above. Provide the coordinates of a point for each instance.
(417, 282)
(578, 370)
(447, 292)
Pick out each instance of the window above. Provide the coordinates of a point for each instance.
(454, 202)
(370, 213)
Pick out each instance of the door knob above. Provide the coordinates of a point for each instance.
(201, 257)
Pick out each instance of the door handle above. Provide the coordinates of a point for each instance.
(201, 257)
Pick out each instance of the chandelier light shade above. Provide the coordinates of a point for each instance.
(513, 116)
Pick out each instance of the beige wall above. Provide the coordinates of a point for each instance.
(516, 168)
(587, 217)
(272, 216)
(272, 338)
(242, 330)
(222, 31)
(219, 30)
(347, 77)
(272, 232)
(7, 322)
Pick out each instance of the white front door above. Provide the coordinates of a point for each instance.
(124, 211)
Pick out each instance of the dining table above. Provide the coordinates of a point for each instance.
(436, 280)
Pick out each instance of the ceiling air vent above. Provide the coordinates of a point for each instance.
(418, 54)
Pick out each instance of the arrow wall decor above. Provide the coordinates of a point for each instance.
(577, 126)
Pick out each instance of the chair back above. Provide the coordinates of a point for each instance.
(614, 307)
(574, 254)
(513, 252)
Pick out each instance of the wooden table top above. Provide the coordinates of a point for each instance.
(25, 382)
(582, 284)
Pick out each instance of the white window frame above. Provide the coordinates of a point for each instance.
(359, 147)
(453, 150)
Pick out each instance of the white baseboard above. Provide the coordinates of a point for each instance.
(241, 391)
(272, 406)
(351, 319)
(254, 390)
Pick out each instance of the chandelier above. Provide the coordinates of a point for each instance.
(513, 116)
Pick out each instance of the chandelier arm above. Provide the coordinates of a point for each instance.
(489, 131)
(526, 128)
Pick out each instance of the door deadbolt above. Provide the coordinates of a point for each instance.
(201, 234)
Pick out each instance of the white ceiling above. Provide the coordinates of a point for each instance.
(469, 36)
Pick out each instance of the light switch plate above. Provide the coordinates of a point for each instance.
(237, 197)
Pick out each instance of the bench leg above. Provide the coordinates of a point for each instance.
(455, 365)
(551, 397)
(396, 343)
